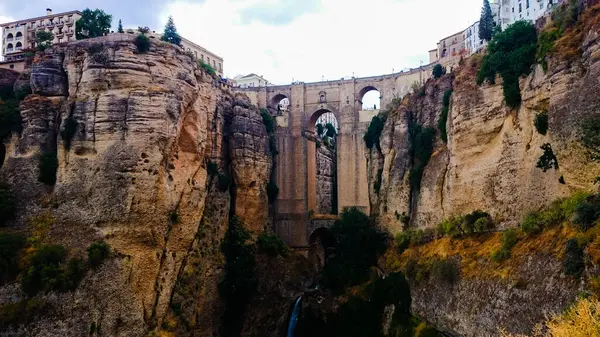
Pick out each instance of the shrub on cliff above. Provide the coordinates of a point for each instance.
(438, 71)
(68, 131)
(541, 122)
(272, 191)
(509, 239)
(421, 149)
(10, 247)
(239, 278)
(10, 117)
(374, 130)
(444, 115)
(348, 265)
(207, 67)
(272, 245)
(511, 54)
(573, 264)
(268, 120)
(587, 212)
(8, 204)
(46, 271)
(97, 253)
(142, 42)
(224, 182)
(590, 137)
(48, 164)
(547, 160)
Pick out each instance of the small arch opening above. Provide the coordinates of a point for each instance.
(321, 239)
(280, 103)
(370, 98)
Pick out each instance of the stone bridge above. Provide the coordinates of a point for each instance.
(296, 163)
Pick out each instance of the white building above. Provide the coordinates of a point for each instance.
(473, 43)
(512, 11)
(250, 81)
(19, 36)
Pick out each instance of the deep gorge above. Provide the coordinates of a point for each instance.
(143, 198)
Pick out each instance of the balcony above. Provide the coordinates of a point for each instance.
(9, 39)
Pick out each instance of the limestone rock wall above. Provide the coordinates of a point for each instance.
(489, 161)
(326, 170)
(135, 175)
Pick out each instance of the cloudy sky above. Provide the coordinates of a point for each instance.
(285, 40)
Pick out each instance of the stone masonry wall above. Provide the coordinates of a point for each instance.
(326, 170)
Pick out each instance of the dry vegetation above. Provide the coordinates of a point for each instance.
(475, 252)
(582, 319)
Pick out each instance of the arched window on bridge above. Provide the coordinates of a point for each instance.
(371, 99)
(279, 104)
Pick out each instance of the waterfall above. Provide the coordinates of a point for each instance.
(294, 318)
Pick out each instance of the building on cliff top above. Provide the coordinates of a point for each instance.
(250, 81)
(19, 36)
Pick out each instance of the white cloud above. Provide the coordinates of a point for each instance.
(341, 38)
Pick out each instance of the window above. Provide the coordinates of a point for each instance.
(220, 67)
(19, 35)
(12, 66)
(527, 3)
(60, 40)
(9, 47)
(214, 64)
(9, 37)
(520, 8)
(542, 5)
(19, 46)
(513, 9)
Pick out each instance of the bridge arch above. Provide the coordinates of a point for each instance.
(369, 97)
(319, 241)
(276, 99)
(322, 177)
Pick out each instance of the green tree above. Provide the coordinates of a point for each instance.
(486, 22)
(438, 71)
(120, 28)
(92, 24)
(511, 54)
(348, 266)
(170, 35)
(43, 39)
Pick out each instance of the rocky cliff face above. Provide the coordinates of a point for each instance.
(134, 174)
(489, 163)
